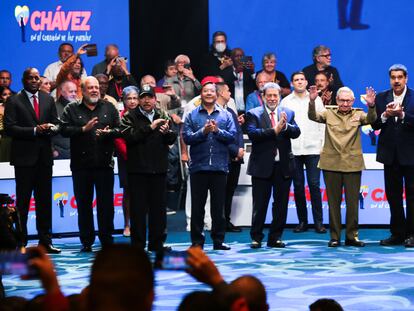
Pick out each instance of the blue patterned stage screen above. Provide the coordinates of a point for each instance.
(33, 30)
(292, 29)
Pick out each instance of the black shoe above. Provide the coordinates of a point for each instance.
(359, 26)
(232, 228)
(276, 244)
(392, 240)
(302, 227)
(197, 245)
(354, 242)
(221, 247)
(86, 249)
(255, 244)
(319, 228)
(50, 249)
(409, 242)
(334, 243)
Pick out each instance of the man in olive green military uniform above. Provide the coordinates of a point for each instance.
(341, 158)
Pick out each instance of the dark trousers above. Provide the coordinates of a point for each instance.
(84, 182)
(201, 183)
(396, 177)
(231, 185)
(36, 179)
(148, 198)
(313, 178)
(262, 189)
(351, 183)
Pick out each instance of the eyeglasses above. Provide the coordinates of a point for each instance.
(345, 101)
(325, 55)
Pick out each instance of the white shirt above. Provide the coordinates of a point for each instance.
(312, 133)
(275, 117)
(238, 91)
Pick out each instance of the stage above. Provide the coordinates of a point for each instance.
(370, 278)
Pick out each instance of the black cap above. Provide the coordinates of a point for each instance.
(146, 89)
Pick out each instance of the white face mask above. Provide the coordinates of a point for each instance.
(220, 47)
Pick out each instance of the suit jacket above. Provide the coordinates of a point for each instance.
(249, 84)
(20, 121)
(265, 141)
(396, 139)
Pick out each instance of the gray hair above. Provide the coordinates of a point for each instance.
(269, 55)
(345, 89)
(129, 89)
(317, 50)
(271, 85)
(398, 67)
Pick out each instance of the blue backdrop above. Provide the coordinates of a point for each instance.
(293, 28)
(49, 23)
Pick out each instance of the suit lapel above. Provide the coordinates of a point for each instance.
(28, 104)
(265, 120)
(406, 99)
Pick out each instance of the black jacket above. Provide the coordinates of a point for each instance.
(86, 149)
(147, 149)
(19, 122)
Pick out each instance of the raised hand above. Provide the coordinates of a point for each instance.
(370, 96)
(89, 126)
(313, 92)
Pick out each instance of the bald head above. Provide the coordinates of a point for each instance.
(253, 290)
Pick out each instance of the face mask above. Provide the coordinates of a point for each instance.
(220, 47)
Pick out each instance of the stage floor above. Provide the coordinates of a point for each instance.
(370, 278)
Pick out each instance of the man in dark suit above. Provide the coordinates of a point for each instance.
(30, 118)
(271, 164)
(239, 78)
(395, 110)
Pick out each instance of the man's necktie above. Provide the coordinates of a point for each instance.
(272, 118)
(36, 106)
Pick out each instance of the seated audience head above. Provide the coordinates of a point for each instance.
(121, 279)
(5, 78)
(103, 83)
(68, 91)
(65, 51)
(325, 304)
(180, 62)
(236, 55)
(321, 56)
(90, 90)
(14, 303)
(170, 69)
(322, 81)
(200, 301)
(130, 97)
(5, 93)
(345, 99)
(253, 290)
(261, 79)
(398, 78)
(77, 68)
(269, 62)
(271, 92)
(298, 82)
(219, 42)
(31, 80)
(111, 51)
(223, 92)
(45, 85)
(149, 80)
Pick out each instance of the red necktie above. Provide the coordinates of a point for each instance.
(272, 118)
(36, 106)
